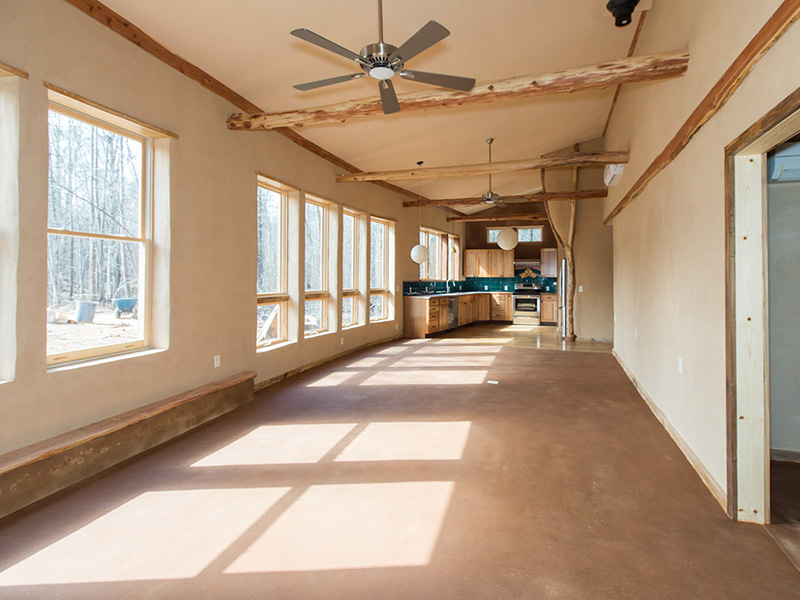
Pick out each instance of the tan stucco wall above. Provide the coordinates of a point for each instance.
(206, 248)
(669, 255)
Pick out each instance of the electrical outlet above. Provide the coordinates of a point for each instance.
(580, 288)
(397, 326)
(341, 341)
(506, 287)
(680, 366)
(636, 334)
(486, 288)
(216, 361)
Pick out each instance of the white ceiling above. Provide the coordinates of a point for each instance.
(246, 45)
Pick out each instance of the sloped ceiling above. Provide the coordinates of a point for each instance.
(246, 45)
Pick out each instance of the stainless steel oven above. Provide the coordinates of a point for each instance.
(526, 304)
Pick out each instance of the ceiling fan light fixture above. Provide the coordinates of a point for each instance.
(381, 73)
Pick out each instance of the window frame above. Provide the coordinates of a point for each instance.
(323, 294)
(112, 121)
(280, 298)
(355, 292)
(385, 291)
(453, 257)
(517, 228)
(442, 248)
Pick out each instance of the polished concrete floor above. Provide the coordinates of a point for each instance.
(454, 467)
(785, 507)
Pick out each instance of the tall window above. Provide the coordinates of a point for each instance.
(271, 293)
(316, 277)
(454, 257)
(526, 234)
(436, 265)
(379, 265)
(98, 245)
(351, 252)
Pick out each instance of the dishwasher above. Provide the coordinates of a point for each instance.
(452, 312)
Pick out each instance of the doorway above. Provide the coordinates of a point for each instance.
(763, 252)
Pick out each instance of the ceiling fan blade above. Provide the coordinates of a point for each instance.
(453, 82)
(388, 97)
(312, 85)
(426, 37)
(318, 40)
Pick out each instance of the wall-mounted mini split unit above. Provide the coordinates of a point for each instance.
(783, 163)
(612, 173)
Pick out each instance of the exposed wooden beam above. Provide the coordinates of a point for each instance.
(615, 72)
(635, 40)
(562, 160)
(119, 24)
(781, 20)
(9, 71)
(537, 197)
(491, 218)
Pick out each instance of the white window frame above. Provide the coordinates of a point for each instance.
(441, 267)
(280, 299)
(109, 120)
(355, 293)
(323, 295)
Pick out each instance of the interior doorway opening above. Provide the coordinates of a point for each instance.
(763, 243)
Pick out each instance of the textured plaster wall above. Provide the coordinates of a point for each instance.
(669, 254)
(205, 237)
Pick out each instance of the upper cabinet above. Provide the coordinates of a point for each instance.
(549, 262)
(489, 263)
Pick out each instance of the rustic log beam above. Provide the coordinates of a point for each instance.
(492, 218)
(9, 71)
(509, 166)
(614, 72)
(537, 197)
(780, 21)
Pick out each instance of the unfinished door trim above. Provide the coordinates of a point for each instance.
(747, 319)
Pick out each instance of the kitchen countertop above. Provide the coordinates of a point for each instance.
(437, 294)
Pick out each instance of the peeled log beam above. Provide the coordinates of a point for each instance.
(614, 72)
(492, 218)
(539, 197)
(574, 159)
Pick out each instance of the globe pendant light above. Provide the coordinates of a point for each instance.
(419, 253)
(507, 238)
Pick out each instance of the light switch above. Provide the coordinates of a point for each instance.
(580, 288)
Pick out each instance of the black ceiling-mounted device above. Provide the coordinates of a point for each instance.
(622, 11)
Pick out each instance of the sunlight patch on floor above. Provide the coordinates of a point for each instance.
(158, 535)
(408, 377)
(370, 361)
(333, 379)
(280, 445)
(445, 361)
(459, 349)
(353, 526)
(408, 441)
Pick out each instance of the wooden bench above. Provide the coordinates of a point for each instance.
(44, 468)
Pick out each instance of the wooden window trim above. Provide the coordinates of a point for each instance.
(282, 303)
(92, 114)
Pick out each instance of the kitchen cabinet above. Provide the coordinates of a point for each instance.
(502, 306)
(549, 309)
(549, 262)
(484, 307)
(425, 315)
(489, 263)
(467, 307)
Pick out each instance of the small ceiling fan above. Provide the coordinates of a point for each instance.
(490, 197)
(383, 61)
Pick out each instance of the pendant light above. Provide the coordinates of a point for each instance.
(507, 238)
(419, 253)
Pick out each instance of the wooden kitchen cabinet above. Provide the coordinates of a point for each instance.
(484, 307)
(424, 315)
(488, 263)
(501, 306)
(549, 262)
(549, 309)
(466, 309)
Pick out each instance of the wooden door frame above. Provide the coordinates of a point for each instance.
(747, 319)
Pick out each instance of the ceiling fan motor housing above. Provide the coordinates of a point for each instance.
(622, 11)
(376, 60)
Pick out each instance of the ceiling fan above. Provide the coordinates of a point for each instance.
(383, 61)
(490, 197)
